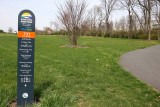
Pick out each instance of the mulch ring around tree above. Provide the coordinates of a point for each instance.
(73, 46)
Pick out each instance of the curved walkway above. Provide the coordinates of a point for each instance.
(144, 64)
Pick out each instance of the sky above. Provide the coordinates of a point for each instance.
(44, 10)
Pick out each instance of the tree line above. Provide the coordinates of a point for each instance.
(142, 20)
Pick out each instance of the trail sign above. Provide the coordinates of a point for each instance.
(26, 46)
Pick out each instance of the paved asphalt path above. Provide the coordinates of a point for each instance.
(144, 64)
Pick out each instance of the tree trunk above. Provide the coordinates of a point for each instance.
(149, 25)
(73, 40)
(158, 31)
(106, 26)
(149, 36)
(130, 25)
(149, 19)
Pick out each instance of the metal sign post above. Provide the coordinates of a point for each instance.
(26, 46)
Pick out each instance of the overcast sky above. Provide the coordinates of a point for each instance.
(44, 10)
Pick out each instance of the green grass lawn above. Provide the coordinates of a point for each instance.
(77, 77)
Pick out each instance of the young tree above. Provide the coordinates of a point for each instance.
(156, 13)
(123, 24)
(95, 19)
(10, 30)
(71, 16)
(56, 25)
(146, 6)
(51, 23)
(108, 6)
(92, 19)
(47, 31)
(128, 5)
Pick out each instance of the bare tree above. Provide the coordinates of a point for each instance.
(156, 14)
(100, 20)
(108, 6)
(85, 27)
(128, 5)
(47, 31)
(116, 26)
(71, 16)
(51, 23)
(95, 19)
(92, 18)
(89, 19)
(135, 23)
(56, 25)
(146, 6)
(39, 32)
(121, 25)
(10, 30)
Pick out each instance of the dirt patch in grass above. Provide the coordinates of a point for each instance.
(14, 102)
(73, 46)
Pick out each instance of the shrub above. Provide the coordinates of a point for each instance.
(145, 36)
(1, 31)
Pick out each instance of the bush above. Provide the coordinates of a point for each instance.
(106, 35)
(135, 36)
(1, 31)
(154, 37)
(100, 34)
(120, 34)
(145, 36)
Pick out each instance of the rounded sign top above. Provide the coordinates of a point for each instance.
(26, 24)
(26, 21)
